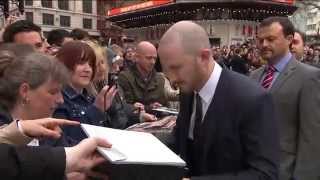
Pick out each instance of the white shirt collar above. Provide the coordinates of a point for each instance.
(207, 91)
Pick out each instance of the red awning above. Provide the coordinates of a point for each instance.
(144, 5)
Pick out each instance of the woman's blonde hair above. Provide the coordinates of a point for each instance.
(100, 52)
(101, 58)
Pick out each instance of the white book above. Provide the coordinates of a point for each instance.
(130, 147)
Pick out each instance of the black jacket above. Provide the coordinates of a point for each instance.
(240, 135)
(20, 163)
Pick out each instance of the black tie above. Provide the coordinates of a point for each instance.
(198, 118)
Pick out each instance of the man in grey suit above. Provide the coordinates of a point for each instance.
(295, 88)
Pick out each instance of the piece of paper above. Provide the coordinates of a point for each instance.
(130, 147)
(166, 110)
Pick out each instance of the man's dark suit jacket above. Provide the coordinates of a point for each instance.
(240, 132)
(31, 163)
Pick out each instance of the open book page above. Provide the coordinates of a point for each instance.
(130, 147)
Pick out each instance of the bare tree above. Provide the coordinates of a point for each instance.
(309, 3)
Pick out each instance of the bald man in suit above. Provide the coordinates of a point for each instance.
(226, 127)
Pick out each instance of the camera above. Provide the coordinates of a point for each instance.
(112, 79)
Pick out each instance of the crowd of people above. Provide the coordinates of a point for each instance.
(245, 58)
(246, 111)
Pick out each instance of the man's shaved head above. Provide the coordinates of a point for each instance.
(145, 46)
(146, 55)
(186, 56)
(190, 36)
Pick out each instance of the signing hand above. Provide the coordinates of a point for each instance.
(138, 105)
(46, 127)
(149, 117)
(155, 105)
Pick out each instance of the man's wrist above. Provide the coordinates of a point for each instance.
(141, 116)
(68, 160)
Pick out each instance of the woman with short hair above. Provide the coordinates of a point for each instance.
(30, 87)
(79, 105)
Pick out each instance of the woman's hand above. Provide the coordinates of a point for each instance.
(46, 127)
(104, 98)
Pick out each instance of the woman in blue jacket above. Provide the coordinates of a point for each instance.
(79, 105)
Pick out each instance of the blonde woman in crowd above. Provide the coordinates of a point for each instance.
(120, 114)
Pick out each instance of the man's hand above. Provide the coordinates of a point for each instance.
(86, 176)
(149, 117)
(47, 127)
(138, 106)
(155, 105)
(76, 176)
(83, 157)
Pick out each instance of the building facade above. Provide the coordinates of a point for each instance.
(226, 21)
(300, 17)
(313, 22)
(65, 14)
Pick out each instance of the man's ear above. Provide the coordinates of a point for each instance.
(205, 54)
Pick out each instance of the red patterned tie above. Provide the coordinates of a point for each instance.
(269, 77)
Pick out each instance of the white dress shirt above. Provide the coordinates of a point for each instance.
(206, 93)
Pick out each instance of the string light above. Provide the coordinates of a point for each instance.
(205, 13)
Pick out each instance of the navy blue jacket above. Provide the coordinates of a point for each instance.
(78, 107)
